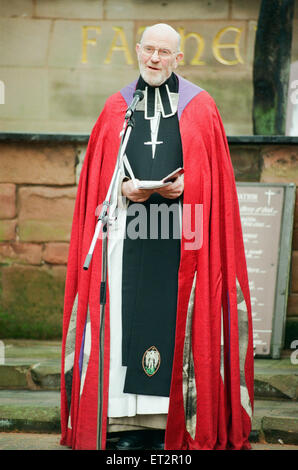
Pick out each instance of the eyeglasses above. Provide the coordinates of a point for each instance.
(150, 50)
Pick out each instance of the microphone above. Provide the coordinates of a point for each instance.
(137, 96)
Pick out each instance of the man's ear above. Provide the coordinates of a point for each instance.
(179, 57)
(138, 46)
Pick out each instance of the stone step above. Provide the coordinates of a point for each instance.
(29, 411)
(36, 365)
(30, 364)
(276, 378)
(39, 376)
(274, 421)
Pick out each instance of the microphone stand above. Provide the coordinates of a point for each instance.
(102, 223)
(103, 216)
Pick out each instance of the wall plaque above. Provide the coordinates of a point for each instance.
(266, 211)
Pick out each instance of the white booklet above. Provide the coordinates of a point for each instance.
(150, 184)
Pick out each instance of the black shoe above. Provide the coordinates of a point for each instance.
(158, 440)
(131, 441)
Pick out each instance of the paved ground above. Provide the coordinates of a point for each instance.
(30, 399)
(32, 441)
(21, 441)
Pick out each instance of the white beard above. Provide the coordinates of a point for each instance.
(154, 79)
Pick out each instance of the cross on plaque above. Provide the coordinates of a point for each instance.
(269, 194)
(154, 143)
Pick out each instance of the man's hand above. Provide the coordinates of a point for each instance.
(173, 190)
(136, 195)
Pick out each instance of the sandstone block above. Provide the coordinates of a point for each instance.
(79, 95)
(17, 8)
(246, 163)
(235, 121)
(280, 165)
(21, 253)
(174, 10)
(18, 42)
(7, 230)
(81, 152)
(81, 44)
(276, 385)
(46, 213)
(26, 98)
(30, 419)
(295, 238)
(295, 229)
(7, 201)
(13, 377)
(56, 253)
(292, 305)
(276, 428)
(72, 10)
(46, 376)
(294, 280)
(245, 11)
(38, 163)
(251, 39)
(31, 304)
(296, 211)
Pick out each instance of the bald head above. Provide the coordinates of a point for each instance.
(163, 30)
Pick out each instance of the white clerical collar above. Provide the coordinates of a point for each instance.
(166, 106)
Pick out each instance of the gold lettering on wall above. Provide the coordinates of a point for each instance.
(86, 40)
(200, 46)
(119, 33)
(217, 46)
(119, 43)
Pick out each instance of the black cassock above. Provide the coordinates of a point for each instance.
(150, 265)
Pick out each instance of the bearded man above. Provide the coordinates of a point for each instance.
(176, 351)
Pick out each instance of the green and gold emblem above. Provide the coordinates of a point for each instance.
(151, 361)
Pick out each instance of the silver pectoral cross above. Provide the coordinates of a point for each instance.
(154, 142)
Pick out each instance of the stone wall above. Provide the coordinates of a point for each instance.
(37, 194)
(38, 182)
(60, 60)
(273, 163)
